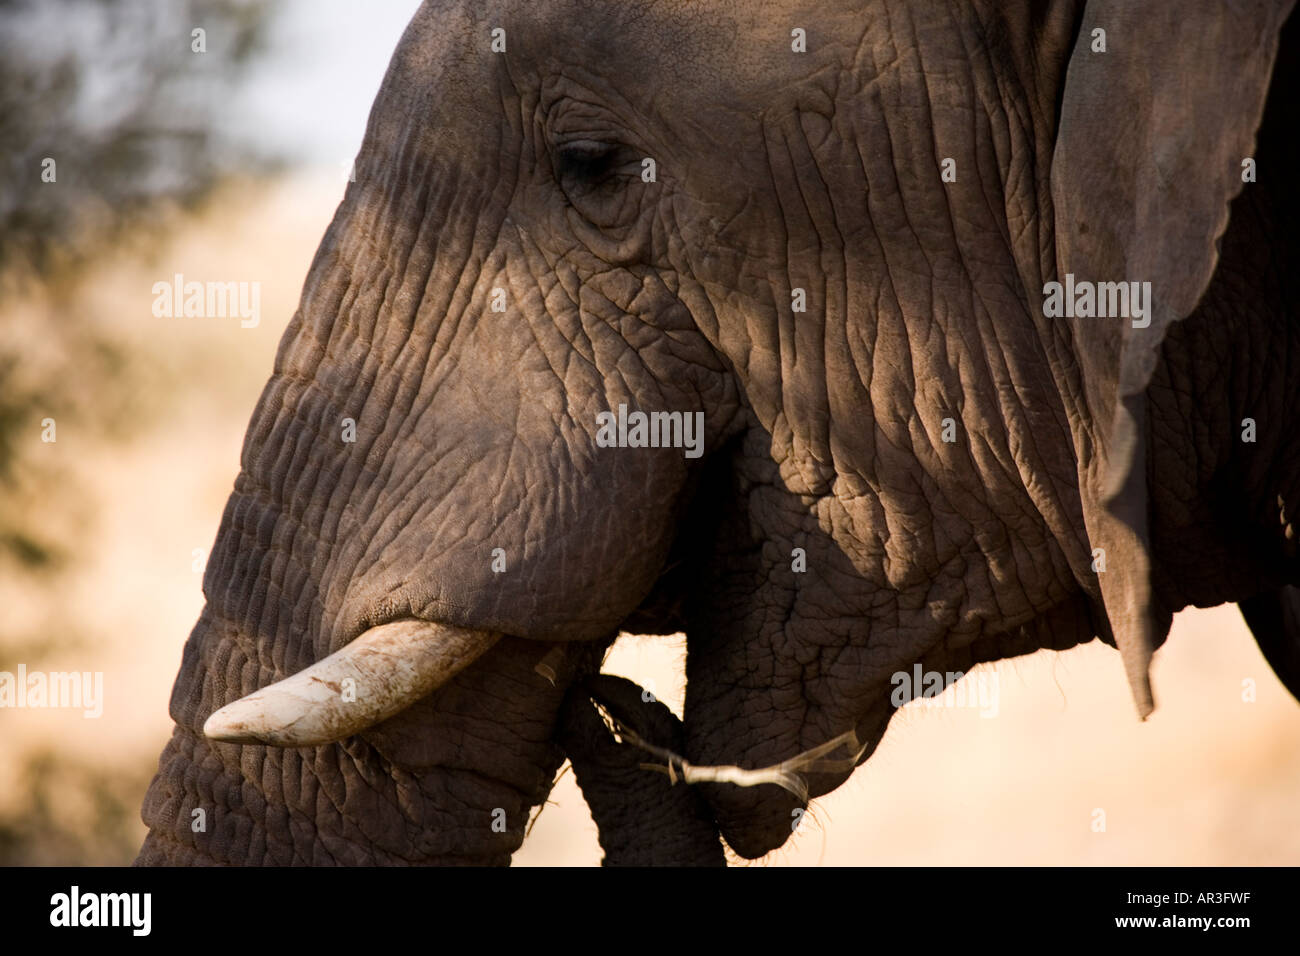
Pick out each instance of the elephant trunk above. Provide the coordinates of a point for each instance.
(450, 779)
(644, 818)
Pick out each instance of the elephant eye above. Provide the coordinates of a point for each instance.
(592, 175)
(585, 162)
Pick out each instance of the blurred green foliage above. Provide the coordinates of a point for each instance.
(114, 93)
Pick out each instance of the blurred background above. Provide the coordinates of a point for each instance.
(226, 164)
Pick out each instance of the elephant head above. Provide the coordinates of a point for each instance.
(733, 320)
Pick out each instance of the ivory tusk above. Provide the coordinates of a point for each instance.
(379, 674)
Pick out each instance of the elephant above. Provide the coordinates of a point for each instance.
(845, 337)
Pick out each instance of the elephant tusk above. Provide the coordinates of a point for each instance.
(382, 672)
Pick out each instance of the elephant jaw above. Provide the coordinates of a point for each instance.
(382, 672)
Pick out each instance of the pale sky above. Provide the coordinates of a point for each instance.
(310, 91)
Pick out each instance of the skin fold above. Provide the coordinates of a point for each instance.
(830, 535)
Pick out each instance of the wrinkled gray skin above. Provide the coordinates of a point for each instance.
(476, 429)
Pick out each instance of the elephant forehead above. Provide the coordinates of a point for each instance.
(701, 51)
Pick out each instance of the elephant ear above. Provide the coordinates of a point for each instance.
(1156, 118)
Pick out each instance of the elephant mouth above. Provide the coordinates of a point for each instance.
(379, 674)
